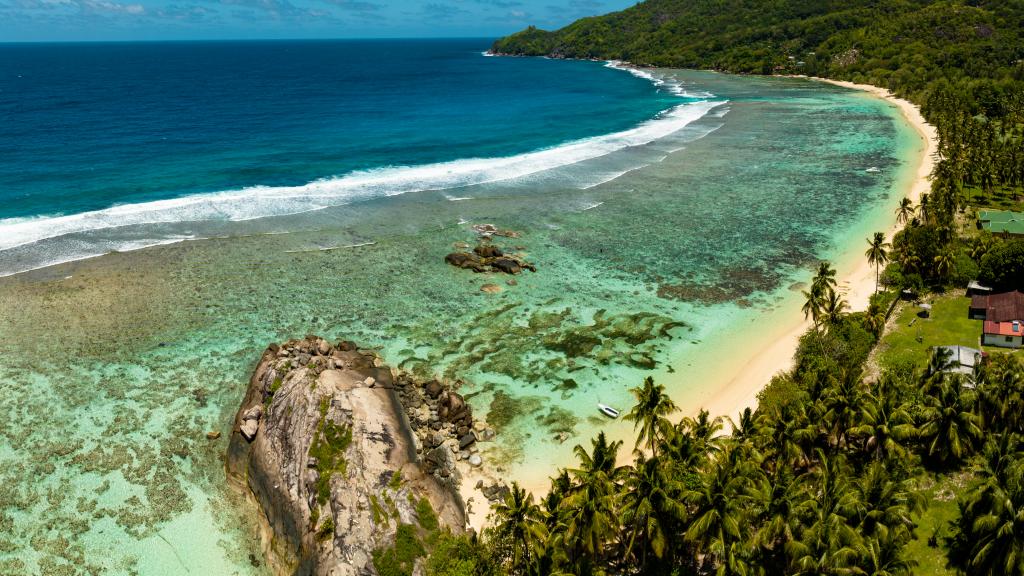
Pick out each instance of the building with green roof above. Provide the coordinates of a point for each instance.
(1002, 222)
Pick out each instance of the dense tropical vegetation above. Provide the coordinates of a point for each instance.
(898, 43)
(826, 476)
(820, 479)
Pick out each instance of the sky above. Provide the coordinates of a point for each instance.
(87, 20)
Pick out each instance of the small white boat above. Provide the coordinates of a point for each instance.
(607, 410)
(874, 170)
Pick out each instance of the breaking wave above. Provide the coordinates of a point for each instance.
(258, 202)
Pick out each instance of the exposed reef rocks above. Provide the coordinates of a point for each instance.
(342, 453)
(488, 230)
(732, 284)
(443, 425)
(488, 257)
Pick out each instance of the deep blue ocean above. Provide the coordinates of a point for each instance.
(87, 126)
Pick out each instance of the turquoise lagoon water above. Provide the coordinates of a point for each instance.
(656, 254)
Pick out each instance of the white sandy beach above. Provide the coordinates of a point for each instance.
(735, 382)
(857, 283)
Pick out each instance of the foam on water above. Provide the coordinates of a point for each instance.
(669, 83)
(268, 201)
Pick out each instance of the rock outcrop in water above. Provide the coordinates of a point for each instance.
(325, 445)
(487, 257)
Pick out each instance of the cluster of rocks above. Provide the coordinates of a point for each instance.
(488, 230)
(251, 422)
(487, 257)
(493, 492)
(443, 426)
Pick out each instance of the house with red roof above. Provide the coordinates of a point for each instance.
(1004, 318)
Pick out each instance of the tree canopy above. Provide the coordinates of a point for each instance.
(904, 45)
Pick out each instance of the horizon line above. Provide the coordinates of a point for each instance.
(240, 40)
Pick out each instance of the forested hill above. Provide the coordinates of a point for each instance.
(900, 44)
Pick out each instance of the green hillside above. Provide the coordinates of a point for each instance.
(900, 44)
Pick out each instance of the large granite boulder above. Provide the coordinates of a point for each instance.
(331, 461)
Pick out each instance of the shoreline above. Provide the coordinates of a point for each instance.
(857, 285)
(737, 390)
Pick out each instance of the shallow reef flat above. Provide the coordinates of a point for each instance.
(115, 369)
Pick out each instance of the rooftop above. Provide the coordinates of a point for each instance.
(960, 359)
(999, 221)
(962, 355)
(1003, 307)
(1011, 328)
(999, 215)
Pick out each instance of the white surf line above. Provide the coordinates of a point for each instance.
(618, 175)
(329, 248)
(132, 247)
(674, 86)
(53, 263)
(256, 202)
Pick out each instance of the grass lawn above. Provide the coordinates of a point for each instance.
(1001, 198)
(940, 498)
(909, 338)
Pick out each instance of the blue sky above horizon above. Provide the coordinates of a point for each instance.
(85, 20)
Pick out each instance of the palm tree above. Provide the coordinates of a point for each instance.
(560, 487)
(905, 212)
(841, 401)
(650, 509)
(588, 511)
(910, 260)
(682, 450)
(885, 422)
(924, 209)
(877, 253)
(812, 304)
(744, 428)
(520, 523)
(980, 246)
(884, 557)
(940, 361)
(1001, 391)
(991, 520)
(1000, 548)
(777, 499)
(716, 525)
(829, 545)
(874, 319)
(650, 414)
(950, 428)
(945, 262)
(785, 436)
(833, 308)
(704, 430)
(600, 460)
(887, 503)
(825, 277)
